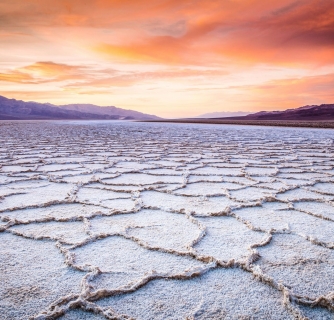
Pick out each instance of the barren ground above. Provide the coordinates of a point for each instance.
(116, 220)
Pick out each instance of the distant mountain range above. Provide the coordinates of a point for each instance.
(308, 113)
(11, 109)
(223, 114)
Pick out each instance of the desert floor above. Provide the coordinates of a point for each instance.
(124, 220)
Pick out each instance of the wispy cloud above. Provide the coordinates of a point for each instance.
(106, 49)
(42, 72)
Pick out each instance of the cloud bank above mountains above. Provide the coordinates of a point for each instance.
(167, 57)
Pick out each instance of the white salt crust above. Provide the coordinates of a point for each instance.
(117, 220)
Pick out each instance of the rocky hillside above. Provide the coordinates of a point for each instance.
(307, 113)
(11, 109)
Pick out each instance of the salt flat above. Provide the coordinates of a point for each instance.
(121, 220)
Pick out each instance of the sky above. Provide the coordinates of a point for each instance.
(171, 58)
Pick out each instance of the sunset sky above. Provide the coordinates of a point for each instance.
(172, 58)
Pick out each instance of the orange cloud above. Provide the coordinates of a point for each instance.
(241, 46)
(306, 90)
(42, 72)
(288, 93)
(252, 32)
(189, 32)
(131, 78)
(83, 76)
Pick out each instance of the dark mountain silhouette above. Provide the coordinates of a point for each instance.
(11, 109)
(308, 113)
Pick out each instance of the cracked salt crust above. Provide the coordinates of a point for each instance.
(36, 196)
(251, 194)
(208, 188)
(300, 265)
(227, 239)
(198, 205)
(95, 196)
(61, 212)
(68, 232)
(116, 220)
(303, 194)
(155, 227)
(142, 179)
(32, 276)
(208, 297)
(324, 188)
(307, 226)
(318, 209)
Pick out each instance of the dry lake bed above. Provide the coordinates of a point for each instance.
(123, 220)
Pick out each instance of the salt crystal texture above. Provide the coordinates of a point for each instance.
(123, 220)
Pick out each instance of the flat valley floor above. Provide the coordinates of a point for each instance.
(124, 220)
